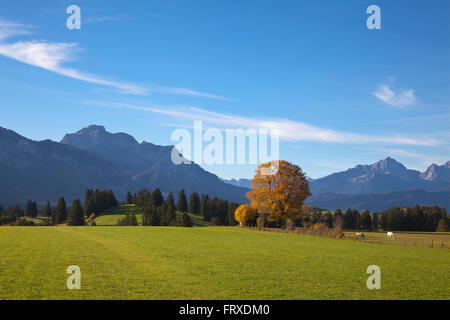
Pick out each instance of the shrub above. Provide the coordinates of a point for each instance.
(184, 220)
(244, 213)
(128, 220)
(23, 222)
(442, 226)
(215, 221)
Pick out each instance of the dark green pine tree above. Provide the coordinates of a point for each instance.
(194, 203)
(2, 210)
(152, 214)
(157, 198)
(168, 215)
(204, 205)
(230, 214)
(133, 220)
(28, 208)
(47, 211)
(76, 215)
(111, 201)
(34, 210)
(88, 207)
(182, 202)
(129, 198)
(147, 219)
(170, 200)
(366, 221)
(60, 212)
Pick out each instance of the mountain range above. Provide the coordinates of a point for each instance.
(387, 175)
(382, 185)
(95, 158)
(376, 202)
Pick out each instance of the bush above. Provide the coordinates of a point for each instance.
(442, 226)
(5, 220)
(184, 221)
(244, 213)
(45, 223)
(128, 220)
(23, 222)
(215, 221)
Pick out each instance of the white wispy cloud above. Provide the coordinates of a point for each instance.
(400, 99)
(53, 57)
(288, 130)
(98, 19)
(11, 29)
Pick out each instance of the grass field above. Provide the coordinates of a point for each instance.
(210, 263)
(110, 217)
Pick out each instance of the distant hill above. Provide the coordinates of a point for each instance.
(150, 165)
(384, 176)
(245, 183)
(381, 201)
(46, 170)
(95, 158)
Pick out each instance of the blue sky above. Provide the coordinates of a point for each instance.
(340, 94)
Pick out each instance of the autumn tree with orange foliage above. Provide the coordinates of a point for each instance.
(280, 195)
(244, 213)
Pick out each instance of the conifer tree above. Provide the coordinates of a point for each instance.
(168, 214)
(47, 211)
(182, 202)
(157, 198)
(60, 212)
(194, 203)
(76, 216)
(34, 210)
(28, 208)
(129, 198)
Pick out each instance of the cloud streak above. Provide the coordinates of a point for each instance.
(289, 130)
(52, 57)
(402, 99)
(11, 29)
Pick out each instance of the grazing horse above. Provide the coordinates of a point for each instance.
(390, 236)
(360, 235)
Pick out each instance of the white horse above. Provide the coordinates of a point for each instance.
(390, 236)
(360, 235)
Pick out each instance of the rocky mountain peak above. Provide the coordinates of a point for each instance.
(388, 165)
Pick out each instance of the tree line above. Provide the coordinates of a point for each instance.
(158, 211)
(162, 212)
(418, 218)
(95, 202)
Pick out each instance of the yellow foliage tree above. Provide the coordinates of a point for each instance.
(279, 195)
(244, 213)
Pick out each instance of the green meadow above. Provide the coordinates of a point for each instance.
(211, 263)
